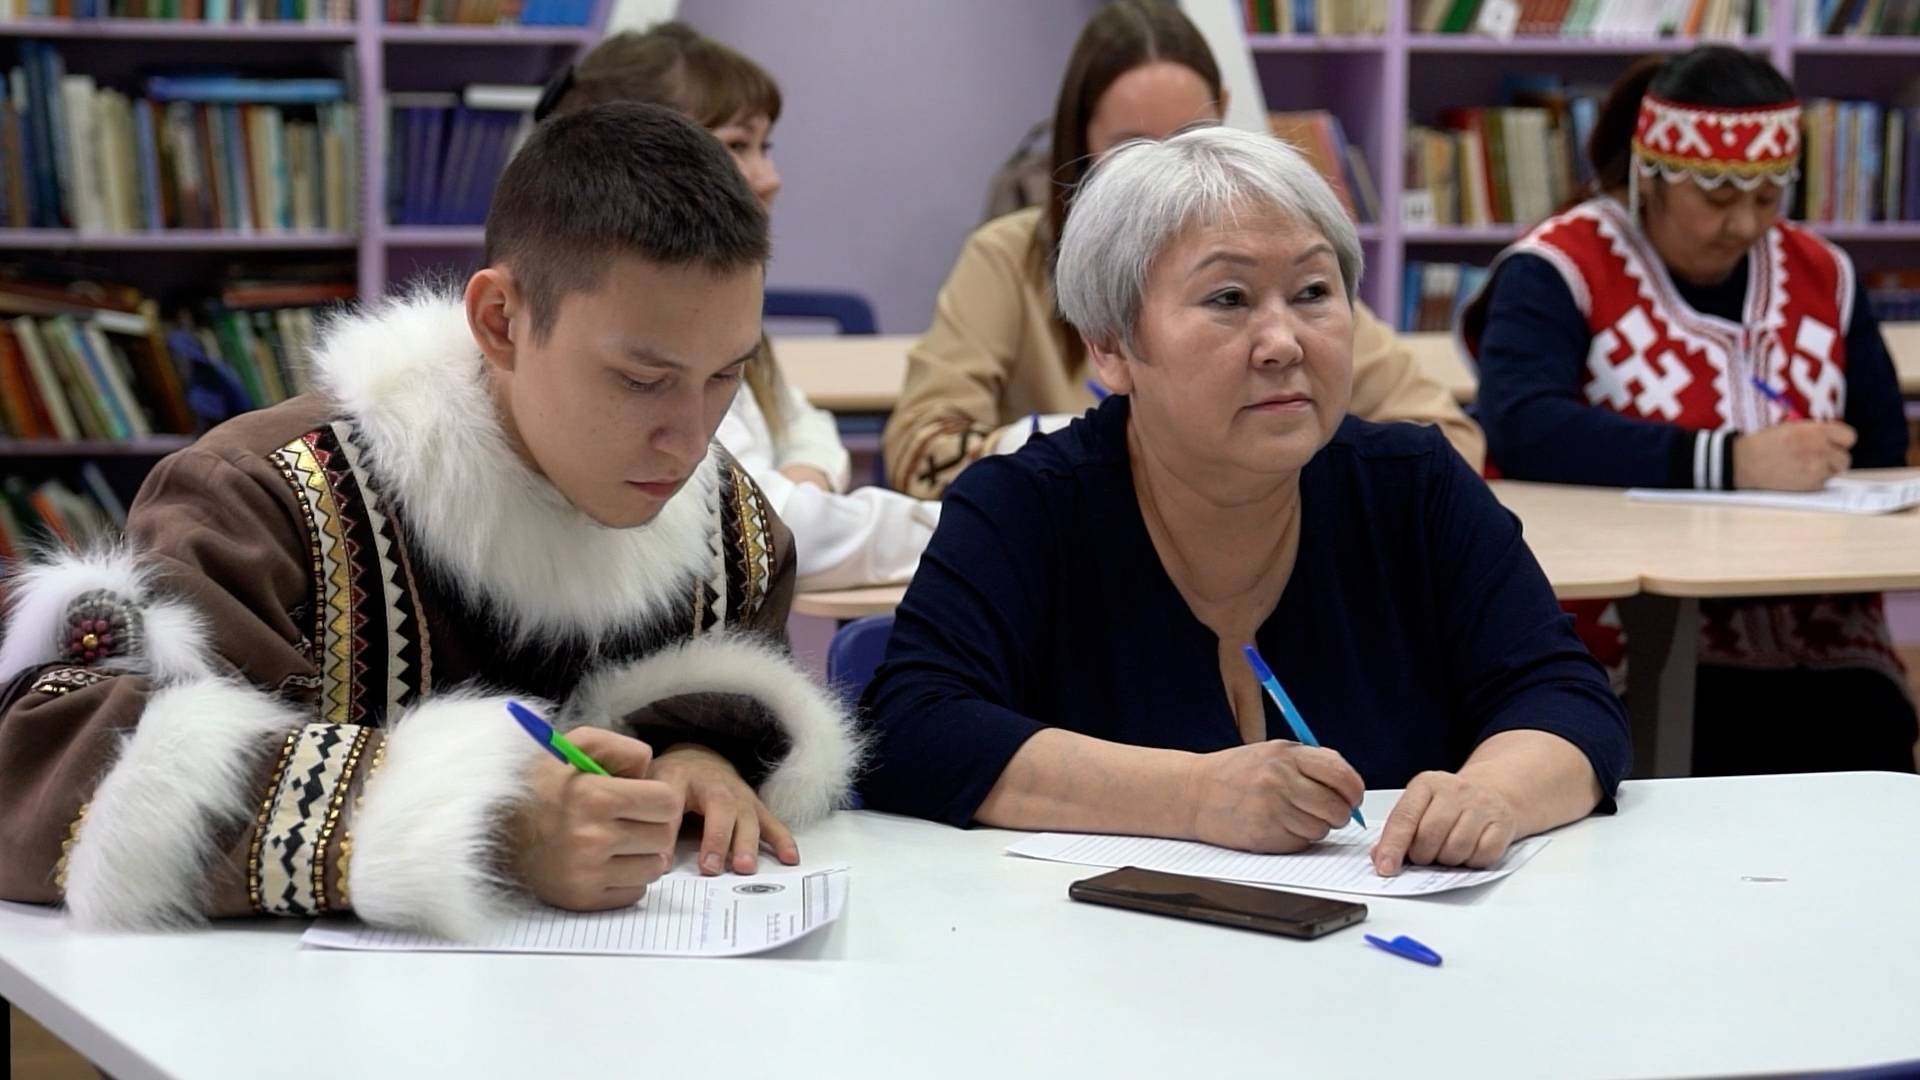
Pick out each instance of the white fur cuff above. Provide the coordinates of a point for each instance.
(426, 838)
(174, 640)
(190, 767)
(818, 770)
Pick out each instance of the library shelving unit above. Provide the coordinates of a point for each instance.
(1379, 85)
(373, 56)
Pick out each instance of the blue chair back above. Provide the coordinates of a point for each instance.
(849, 311)
(852, 658)
(855, 653)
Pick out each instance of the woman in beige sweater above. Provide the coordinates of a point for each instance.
(997, 351)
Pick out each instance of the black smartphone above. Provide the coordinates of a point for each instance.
(1222, 902)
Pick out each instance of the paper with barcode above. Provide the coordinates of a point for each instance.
(684, 914)
(1343, 862)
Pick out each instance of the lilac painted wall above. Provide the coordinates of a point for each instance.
(897, 112)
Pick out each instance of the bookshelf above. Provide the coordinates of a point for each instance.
(374, 56)
(1379, 85)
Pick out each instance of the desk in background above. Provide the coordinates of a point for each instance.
(1633, 946)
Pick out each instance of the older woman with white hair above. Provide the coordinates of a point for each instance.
(1070, 655)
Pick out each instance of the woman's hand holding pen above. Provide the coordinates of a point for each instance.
(1272, 797)
(1799, 456)
(590, 843)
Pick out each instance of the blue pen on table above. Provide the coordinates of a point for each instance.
(1405, 946)
(1778, 398)
(1294, 720)
(556, 743)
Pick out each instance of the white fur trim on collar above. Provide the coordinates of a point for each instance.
(186, 774)
(817, 772)
(412, 380)
(173, 638)
(427, 835)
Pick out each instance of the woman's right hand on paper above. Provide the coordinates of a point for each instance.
(591, 843)
(1798, 456)
(1273, 797)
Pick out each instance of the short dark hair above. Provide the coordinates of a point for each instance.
(612, 180)
(1712, 75)
(670, 64)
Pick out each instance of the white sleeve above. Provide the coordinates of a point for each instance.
(869, 536)
(812, 438)
(743, 431)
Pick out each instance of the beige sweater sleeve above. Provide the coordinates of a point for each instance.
(959, 369)
(1389, 386)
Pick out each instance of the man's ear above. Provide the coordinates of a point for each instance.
(1110, 363)
(493, 307)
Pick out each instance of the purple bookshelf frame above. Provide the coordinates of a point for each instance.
(1389, 241)
(371, 37)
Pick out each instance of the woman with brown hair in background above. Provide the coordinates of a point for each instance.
(998, 352)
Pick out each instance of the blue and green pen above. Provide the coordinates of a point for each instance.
(556, 743)
(1294, 720)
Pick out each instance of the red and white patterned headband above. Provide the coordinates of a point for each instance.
(1712, 146)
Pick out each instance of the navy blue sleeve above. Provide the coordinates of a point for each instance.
(1533, 358)
(1515, 660)
(1874, 407)
(968, 639)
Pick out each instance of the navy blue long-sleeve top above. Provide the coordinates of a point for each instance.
(1539, 425)
(1415, 624)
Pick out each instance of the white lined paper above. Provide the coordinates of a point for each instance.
(1341, 863)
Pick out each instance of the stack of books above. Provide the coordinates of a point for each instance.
(1317, 17)
(212, 11)
(1432, 294)
(1319, 135)
(491, 12)
(100, 363)
(1592, 18)
(1861, 163)
(445, 151)
(247, 155)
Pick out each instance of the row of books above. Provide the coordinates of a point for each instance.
(1592, 18)
(1859, 18)
(200, 153)
(445, 151)
(1318, 17)
(1861, 163)
(1513, 165)
(491, 12)
(213, 11)
(1320, 136)
(105, 366)
(35, 516)
(1894, 295)
(1432, 294)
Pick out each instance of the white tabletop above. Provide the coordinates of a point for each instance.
(1630, 947)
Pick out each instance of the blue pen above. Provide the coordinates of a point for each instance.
(1405, 946)
(1294, 720)
(1034, 431)
(1778, 398)
(1100, 393)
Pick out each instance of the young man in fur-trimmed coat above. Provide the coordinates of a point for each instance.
(286, 694)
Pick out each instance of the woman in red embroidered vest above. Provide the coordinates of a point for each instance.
(1619, 344)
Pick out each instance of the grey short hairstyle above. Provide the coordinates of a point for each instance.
(1147, 193)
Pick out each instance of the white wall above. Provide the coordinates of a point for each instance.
(897, 112)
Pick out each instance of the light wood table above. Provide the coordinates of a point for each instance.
(1683, 554)
(854, 373)
(1903, 343)
(845, 604)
